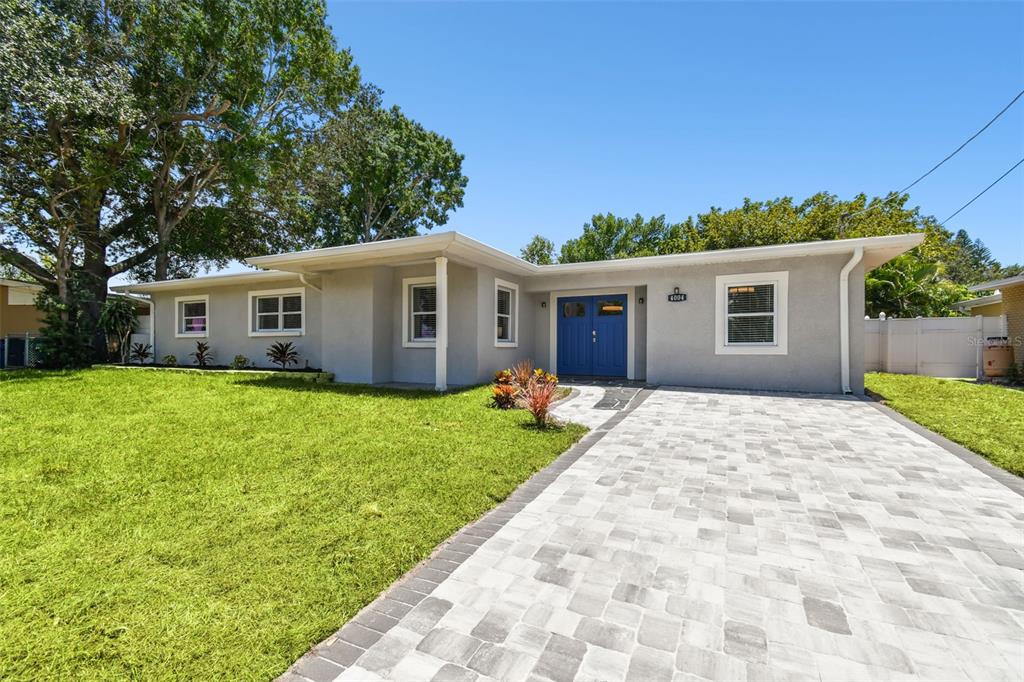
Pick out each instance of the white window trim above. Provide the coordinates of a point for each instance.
(301, 291)
(178, 300)
(407, 284)
(514, 288)
(781, 345)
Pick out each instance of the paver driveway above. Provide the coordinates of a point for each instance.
(728, 536)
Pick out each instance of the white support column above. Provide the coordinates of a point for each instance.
(441, 339)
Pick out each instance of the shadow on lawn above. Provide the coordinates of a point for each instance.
(31, 374)
(300, 386)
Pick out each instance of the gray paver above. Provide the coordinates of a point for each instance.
(721, 535)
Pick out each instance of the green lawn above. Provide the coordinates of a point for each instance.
(185, 525)
(984, 418)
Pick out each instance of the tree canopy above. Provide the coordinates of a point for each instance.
(927, 281)
(539, 251)
(149, 138)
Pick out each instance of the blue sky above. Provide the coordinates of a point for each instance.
(568, 109)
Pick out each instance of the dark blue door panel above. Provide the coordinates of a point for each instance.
(609, 336)
(575, 332)
(592, 335)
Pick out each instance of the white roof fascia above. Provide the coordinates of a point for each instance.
(997, 284)
(199, 282)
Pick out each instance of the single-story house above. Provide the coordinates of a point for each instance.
(445, 309)
(986, 306)
(20, 321)
(1008, 300)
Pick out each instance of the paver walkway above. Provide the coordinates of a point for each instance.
(727, 536)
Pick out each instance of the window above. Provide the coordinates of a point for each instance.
(191, 316)
(419, 303)
(506, 308)
(277, 312)
(613, 306)
(750, 314)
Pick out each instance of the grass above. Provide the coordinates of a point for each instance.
(182, 525)
(984, 418)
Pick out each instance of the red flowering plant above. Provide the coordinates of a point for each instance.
(537, 398)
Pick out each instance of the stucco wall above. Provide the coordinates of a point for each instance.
(416, 365)
(680, 337)
(490, 357)
(228, 326)
(347, 324)
(18, 319)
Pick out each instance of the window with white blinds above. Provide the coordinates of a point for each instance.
(750, 314)
(424, 312)
(506, 307)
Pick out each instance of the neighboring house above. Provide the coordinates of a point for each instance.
(20, 321)
(986, 306)
(445, 309)
(1010, 294)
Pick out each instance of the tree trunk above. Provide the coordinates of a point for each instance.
(96, 276)
(163, 265)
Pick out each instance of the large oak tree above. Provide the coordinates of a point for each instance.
(140, 134)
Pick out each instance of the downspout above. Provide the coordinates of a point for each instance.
(302, 278)
(844, 316)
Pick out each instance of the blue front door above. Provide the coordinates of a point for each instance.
(592, 335)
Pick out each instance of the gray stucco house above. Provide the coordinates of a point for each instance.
(446, 309)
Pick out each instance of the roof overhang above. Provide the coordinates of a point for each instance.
(983, 300)
(997, 284)
(877, 250)
(460, 248)
(211, 281)
(18, 284)
(406, 250)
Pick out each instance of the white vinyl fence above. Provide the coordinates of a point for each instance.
(932, 346)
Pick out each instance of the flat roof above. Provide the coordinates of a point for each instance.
(459, 247)
(877, 251)
(209, 280)
(997, 283)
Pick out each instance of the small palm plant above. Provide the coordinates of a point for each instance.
(141, 352)
(283, 353)
(203, 354)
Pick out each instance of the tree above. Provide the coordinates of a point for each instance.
(140, 131)
(907, 287)
(539, 251)
(927, 281)
(608, 236)
(372, 173)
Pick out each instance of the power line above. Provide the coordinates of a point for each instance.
(982, 192)
(846, 216)
(968, 141)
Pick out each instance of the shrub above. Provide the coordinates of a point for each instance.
(240, 362)
(117, 320)
(513, 383)
(522, 373)
(503, 376)
(169, 360)
(65, 339)
(203, 354)
(141, 352)
(537, 399)
(504, 396)
(283, 353)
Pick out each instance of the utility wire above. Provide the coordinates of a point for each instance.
(846, 216)
(968, 141)
(982, 192)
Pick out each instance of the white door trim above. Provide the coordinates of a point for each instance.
(553, 297)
